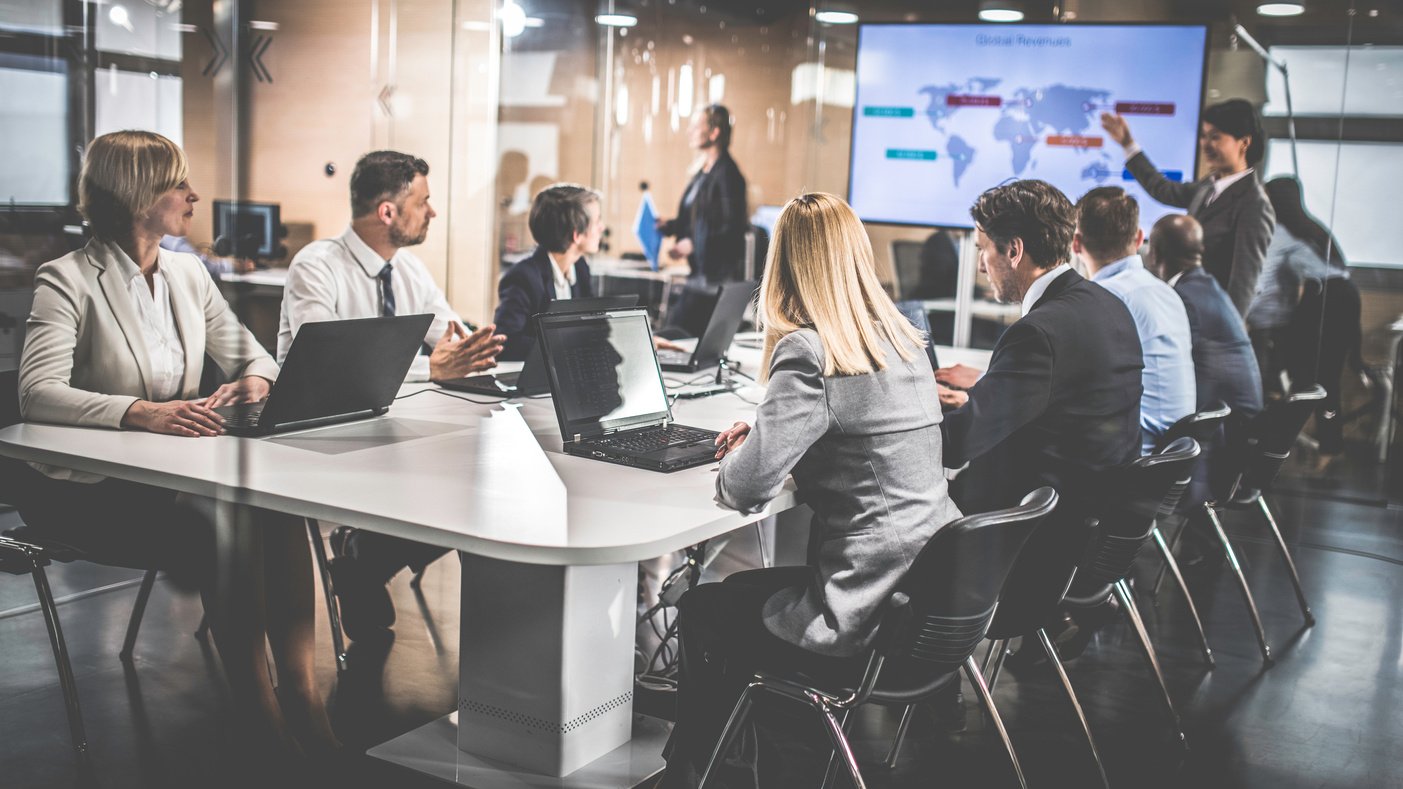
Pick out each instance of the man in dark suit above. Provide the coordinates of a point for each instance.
(1224, 364)
(565, 223)
(1060, 401)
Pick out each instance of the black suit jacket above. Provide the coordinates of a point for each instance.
(1224, 363)
(524, 291)
(1059, 402)
(1237, 226)
(716, 222)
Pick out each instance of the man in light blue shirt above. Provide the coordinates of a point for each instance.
(1107, 236)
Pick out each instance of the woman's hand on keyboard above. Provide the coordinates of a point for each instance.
(176, 418)
(249, 389)
(730, 440)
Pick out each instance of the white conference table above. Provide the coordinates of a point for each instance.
(549, 544)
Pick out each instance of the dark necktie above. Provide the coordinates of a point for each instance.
(387, 291)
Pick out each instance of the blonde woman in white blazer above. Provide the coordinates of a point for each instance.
(117, 339)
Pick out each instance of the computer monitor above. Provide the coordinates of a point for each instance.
(247, 229)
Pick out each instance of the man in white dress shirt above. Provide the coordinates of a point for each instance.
(366, 272)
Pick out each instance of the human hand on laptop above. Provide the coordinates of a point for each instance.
(666, 345)
(729, 440)
(958, 376)
(249, 389)
(459, 354)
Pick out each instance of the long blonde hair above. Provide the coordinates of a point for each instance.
(820, 274)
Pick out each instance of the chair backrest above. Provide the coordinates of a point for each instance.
(906, 268)
(1135, 495)
(9, 398)
(1201, 427)
(1270, 437)
(951, 590)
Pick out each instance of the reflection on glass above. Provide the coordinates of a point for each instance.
(140, 27)
(34, 125)
(139, 100)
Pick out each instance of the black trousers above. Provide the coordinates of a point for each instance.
(382, 556)
(1325, 335)
(723, 642)
(125, 524)
(1269, 346)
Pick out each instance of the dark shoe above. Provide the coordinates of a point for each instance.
(340, 540)
(367, 612)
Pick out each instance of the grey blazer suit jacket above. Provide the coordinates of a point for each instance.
(1237, 226)
(865, 452)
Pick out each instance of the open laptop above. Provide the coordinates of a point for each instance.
(915, 312)
(335, 371)
(532, 380)
(720, 330)
(609, 395)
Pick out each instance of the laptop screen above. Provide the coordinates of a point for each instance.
(604, 373)
(915, 312)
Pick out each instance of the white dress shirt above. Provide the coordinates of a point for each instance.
(338, 279)
(1221, 184)
(564, 281)
(1039, 286)
(163, 346)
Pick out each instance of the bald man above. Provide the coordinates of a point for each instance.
(1225, 367)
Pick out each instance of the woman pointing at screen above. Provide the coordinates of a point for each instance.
(1229, 202)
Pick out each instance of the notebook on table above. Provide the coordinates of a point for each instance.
(609, 395)
(335, 371)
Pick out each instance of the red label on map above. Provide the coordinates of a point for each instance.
(1144, 108)
(1074, 141)
(962, 100)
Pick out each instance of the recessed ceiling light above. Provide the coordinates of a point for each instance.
(1281, 9)
(1000, 12)
(836, 17)
(616, 20)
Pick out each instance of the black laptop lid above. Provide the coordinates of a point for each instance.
(534, 379)
(915, 312)
(344, 367)
(604, 372)
(725, 321)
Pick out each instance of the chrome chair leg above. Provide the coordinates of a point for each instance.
(987, 699)
(729, 732)
(1051, 650)
(837, 734)
(143, 594)
(333, 614)
(907, 713)
(1173, 566)
(1290, 563)
(1241, 581)
(989, 655)
(1132, 612)
(1168, 552)
(65, 667)
(993, 671)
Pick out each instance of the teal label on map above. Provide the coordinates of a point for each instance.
(889, 112)
(906, 153)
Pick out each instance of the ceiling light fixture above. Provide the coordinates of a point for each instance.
(997, 11)
(836, 17)
(1281, 9)
(616, 20)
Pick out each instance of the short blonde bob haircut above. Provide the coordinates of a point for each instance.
(820, 274)
(124, 174)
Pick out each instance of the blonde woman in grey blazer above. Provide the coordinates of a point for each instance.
(117, 339)
(851, 411)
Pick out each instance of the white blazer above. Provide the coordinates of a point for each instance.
(85, 359)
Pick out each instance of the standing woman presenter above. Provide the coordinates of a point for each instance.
(1229, 202)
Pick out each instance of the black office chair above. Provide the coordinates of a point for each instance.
(1253, 461)
(1136, 496)
(927, 632)
(1205, 428)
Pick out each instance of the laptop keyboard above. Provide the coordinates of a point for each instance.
(674, 357)
(241, 416)
(655, 438)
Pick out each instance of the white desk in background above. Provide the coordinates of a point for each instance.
(263, 277)
(549, 547)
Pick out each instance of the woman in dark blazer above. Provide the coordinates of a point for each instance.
(117, 338)
(1229, 203)
(851, 411)
(711, 216)
(566, 225)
